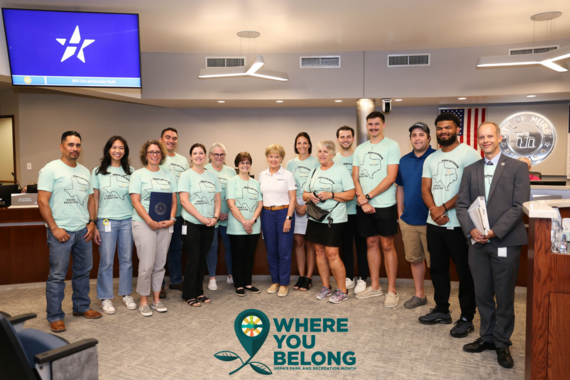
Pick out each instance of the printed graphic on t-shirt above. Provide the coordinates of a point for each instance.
(205, 192)
(370, 165)
(223, 185)
(488, 178)
(156, 184)
(348, 166)
(176, 169)
(445, 176)
(246, 193)
(120, 184)
(79, 191)
(301, 176)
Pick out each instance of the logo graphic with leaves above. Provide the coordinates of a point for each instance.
(252, 328)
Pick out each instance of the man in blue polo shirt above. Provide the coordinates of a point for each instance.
(412, 211)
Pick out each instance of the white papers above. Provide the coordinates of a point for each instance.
(478, 214)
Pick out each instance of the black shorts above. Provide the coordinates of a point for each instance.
(321, 233)
(384, 222)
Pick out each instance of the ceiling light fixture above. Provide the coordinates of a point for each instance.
(338, 101)
(462, 98)
(279, 101)
(221, 101)
(397, 100)
(531, 96)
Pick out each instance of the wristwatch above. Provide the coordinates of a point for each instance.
(92, 220)
(332, 195)
(289, 217)
(172, 218)
(368, 197)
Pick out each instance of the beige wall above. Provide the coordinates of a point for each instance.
(6, 150)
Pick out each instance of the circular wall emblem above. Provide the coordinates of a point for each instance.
(528, 134)
(160, 208)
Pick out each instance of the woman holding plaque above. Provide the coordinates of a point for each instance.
(201, 202)
(245, 203)
(152, 238)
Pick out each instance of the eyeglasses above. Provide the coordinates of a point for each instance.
(245, 163)
(219, 155)
(153, 153)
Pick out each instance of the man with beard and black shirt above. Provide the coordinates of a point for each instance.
(440, 184)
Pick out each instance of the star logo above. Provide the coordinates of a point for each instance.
(75, 40)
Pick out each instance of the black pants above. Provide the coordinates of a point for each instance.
(443, 245)
(243, 252)
(349, 236)
(197, 243)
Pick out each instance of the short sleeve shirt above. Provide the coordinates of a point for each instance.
(114, 200)
(70, 189)
(347, 163)
(301, 170)
(247, 195)
(373, 161)
(176, 165)
(202, 189)
(337, 180)
(275, 188)
(145, 182)
(223, 176)
(445, 170)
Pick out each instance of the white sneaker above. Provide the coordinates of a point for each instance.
(360, 286)
(107, 306)
(129, 302)
(391, 300)
(212, 284)
(230, 280)
(349, 283)
(159, 307)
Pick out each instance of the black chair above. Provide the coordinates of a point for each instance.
(537, 174)
(30, 354)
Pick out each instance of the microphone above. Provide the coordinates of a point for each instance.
(18, 183)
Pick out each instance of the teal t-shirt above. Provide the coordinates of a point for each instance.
(144, 182)
(247, 195)
(489, 172)
(335, 179)
(445, 170)
(301, 171)
(373, 161)
(223, 176)
(176, 165)
(202, 189)
(70, 189)
(114, 200)
(347, 163)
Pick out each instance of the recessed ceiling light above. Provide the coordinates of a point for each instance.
(461, 98)
(397, 100)
(279, 101)
(338, 101)
(531, 96)
(221, 101)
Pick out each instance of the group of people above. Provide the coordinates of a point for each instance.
(324, 205)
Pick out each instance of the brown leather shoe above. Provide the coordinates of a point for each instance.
(89, 314)
(162, 293)
(177, 286)
(57, 326)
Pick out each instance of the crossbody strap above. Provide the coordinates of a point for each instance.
(310, 180)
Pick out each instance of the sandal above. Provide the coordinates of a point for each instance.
(193, 302)
(204, 299)
(307, 284)
(299, 283)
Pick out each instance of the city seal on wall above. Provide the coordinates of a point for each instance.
(528, 134)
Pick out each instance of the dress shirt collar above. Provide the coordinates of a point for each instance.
(495, 159)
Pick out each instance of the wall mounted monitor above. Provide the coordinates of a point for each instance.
(73, 49)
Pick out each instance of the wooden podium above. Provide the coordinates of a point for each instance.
(548, 297)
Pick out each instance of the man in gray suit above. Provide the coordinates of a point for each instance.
(494, 258)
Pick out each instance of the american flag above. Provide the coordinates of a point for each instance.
(470, 120)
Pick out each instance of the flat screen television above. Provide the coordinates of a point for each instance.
(73, 49)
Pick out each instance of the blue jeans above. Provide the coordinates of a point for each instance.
(278, 244)
(212, 258)
(82, 255)
(174, 255)
(121, 233)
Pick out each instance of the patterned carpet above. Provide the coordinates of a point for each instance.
(180, 344)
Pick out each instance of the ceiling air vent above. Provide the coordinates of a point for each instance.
(531, 50)
(406, 60)
(225, 62)
(325, 62)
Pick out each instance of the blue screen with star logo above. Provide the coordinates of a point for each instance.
(48, 48)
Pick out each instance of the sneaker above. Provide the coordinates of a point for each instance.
(462, 328)
(414, 302)
(107, 306)
(159, 307)
(283, 291)
(129, 302)
(360, 286)
(212, 284)
(252, 289)
(349, 284)
(325, 292)
(338, 297)
(240, 292)
(391, 299)
(230, 280)
(273, 288)
(145, 311)
(369, 292)
(434, 317)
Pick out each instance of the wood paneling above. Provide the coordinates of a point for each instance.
(558, 337)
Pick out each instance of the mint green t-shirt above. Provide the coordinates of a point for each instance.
(337, 180)
(489, 172)
(145, 182)
(301, 171)
(373, 161)
(70, 189)
(347, 163)
(114, 200)
(445, 170)
(247, 195)
(176, 165)
(223, 176)
(202, 189)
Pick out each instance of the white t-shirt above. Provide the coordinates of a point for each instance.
(275, 188)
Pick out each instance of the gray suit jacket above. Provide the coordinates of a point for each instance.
(509, 189)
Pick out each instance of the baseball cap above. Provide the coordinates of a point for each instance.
(421, 125)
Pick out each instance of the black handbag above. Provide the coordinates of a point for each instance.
(315, 211)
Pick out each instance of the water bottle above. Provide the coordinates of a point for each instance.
(563, 245)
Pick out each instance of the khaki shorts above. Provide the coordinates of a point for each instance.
(415, 243)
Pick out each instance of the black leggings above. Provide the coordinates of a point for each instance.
(197, 243)
(350, 235)
(243, 252)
